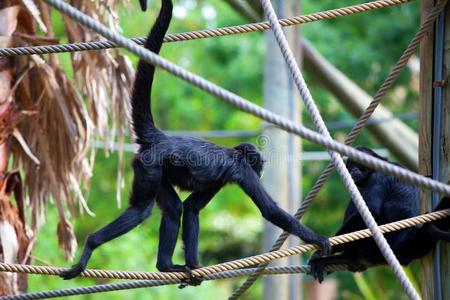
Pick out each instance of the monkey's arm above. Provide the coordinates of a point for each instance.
(249, 182)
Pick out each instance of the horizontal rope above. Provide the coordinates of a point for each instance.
(202, 34)
(278, 270)
(236, 264)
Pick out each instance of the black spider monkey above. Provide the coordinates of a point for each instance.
(389, 200)
(189, 163)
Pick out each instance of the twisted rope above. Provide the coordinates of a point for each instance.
(337, 160)
(426, 26)
(185, 36)
(152, 283)
(232, 265)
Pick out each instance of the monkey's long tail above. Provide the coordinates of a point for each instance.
(142, 118)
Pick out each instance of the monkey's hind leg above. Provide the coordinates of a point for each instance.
(145, 185)
(171, 207)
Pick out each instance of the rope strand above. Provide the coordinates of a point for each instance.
(209, 33)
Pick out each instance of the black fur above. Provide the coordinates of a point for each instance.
(143, 4)
(389, 200)
(190, 164)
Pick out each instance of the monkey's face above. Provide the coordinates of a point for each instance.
(358, 171)
(253, 157)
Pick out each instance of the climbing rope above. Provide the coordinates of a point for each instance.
(426, 26)
(184, 36)
(249, 107)
(152, 283)
(220, 271)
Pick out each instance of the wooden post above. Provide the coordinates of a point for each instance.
(282, 177)
(432, 288)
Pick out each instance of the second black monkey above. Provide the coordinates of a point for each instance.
(389, 200)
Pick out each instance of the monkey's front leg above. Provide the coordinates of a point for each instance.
(191, 227)
(249, 182)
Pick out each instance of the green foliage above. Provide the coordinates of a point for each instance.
(363, 46)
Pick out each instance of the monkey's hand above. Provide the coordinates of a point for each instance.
(317, 266)
(74, 271)
(324, 246)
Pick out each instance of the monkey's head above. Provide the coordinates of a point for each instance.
(252, 155)
(360, 172)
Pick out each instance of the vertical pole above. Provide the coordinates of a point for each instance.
(295, 155)
(282, 176)
(434, 138)
(444, 163)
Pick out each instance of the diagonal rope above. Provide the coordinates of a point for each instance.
(201, 34)
(231, 265)
(337, 160)
(362, 121)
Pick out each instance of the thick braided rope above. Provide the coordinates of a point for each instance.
(152, 283)
(362, 121)
(249, 107)
(337, 160)
(185, 36)
(232, 265)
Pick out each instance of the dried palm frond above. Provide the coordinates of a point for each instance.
(104, 77)
(50, 144)
(52, 127)
(65, 233)
(14, 240)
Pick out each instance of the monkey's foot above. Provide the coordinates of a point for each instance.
(192, 280)
(173, 268)
(74, 271)
(317, 266)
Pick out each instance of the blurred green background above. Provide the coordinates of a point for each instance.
(363, 46)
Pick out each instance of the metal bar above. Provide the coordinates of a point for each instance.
(438, 96)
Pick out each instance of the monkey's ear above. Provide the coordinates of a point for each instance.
(143, 4)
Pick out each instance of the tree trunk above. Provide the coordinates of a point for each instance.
(14, 242)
